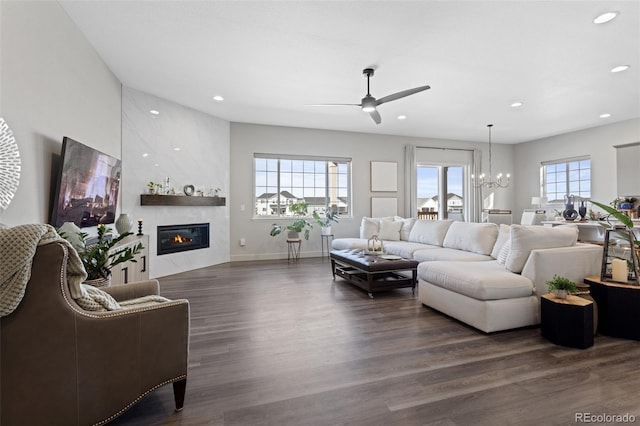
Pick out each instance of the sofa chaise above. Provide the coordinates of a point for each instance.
(488, 276)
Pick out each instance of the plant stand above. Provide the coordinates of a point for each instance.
(293, 249)
(326, 240)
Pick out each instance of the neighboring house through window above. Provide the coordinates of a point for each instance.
(322, 183)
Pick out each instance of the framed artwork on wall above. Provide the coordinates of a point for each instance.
(384, 176)
(384, 206)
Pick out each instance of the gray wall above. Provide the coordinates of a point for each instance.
(247, 139)
(597, 142)
(53, 85)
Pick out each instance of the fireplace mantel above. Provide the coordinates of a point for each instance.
(180, 200)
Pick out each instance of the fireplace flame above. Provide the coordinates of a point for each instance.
(180, 239)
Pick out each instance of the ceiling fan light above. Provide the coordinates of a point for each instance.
(368, 108)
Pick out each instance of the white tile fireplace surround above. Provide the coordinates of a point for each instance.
(189, 147)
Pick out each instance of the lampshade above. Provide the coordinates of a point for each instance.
(538, 200)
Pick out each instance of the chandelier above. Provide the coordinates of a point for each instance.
(500, 182)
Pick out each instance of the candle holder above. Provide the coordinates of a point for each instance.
(375, 245)
(140, 227)
(620, 261)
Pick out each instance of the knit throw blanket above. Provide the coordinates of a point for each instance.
(18, 246)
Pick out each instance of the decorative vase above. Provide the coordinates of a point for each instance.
(582, 210)
(293, 235)
(560, 294)
(626, 206)
(326, 230)
(124, 223)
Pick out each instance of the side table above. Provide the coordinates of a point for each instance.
(618, 307)
(293, 249)
(567, 322)
(326, 239)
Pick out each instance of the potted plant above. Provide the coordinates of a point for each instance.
(561, 287)
(330, 215)
(152, 188)
(98, 258)
(300, 223)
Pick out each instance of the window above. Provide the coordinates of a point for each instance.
(566, 177)
(322, 183)
(431, 191)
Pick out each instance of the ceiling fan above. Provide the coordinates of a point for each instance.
(369, 103)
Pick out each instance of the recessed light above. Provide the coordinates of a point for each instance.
(156, 165)
(145, 155)
(516, 104)
(218, 98)
(605, 17)
(176, 149)
(154, 112)
(620, 68)
(605, 115)
(402, 117)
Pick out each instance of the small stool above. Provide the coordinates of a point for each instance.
(325, 239)
(567, 322)
(293, 251)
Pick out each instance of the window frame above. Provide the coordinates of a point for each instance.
(325, 159)
(566, 162)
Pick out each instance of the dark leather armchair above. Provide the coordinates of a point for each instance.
(62, 365)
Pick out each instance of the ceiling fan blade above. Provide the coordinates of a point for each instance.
(376, 116)
(331, 105)
(402, 94)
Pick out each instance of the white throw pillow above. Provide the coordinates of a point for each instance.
(469, 236)
(369, 227)
(389, 230)
(503, 236)
(429, 231)
(504, 252)
(527, 238)
(407, 226)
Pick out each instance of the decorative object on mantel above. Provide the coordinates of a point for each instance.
(9, 165)
(152, 187)
(619, 259)
(561, 287)
(188, 190)
(124, 223)
(481, 181)
(300, 223)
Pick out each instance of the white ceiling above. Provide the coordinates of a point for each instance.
(270, 58)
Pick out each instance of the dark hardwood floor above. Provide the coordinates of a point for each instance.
(274, 343)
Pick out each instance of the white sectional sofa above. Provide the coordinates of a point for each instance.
(487, 276)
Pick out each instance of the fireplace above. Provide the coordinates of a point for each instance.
(177, 238)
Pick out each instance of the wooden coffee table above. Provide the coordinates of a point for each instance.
(373, 272)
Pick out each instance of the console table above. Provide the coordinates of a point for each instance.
(618, 307)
